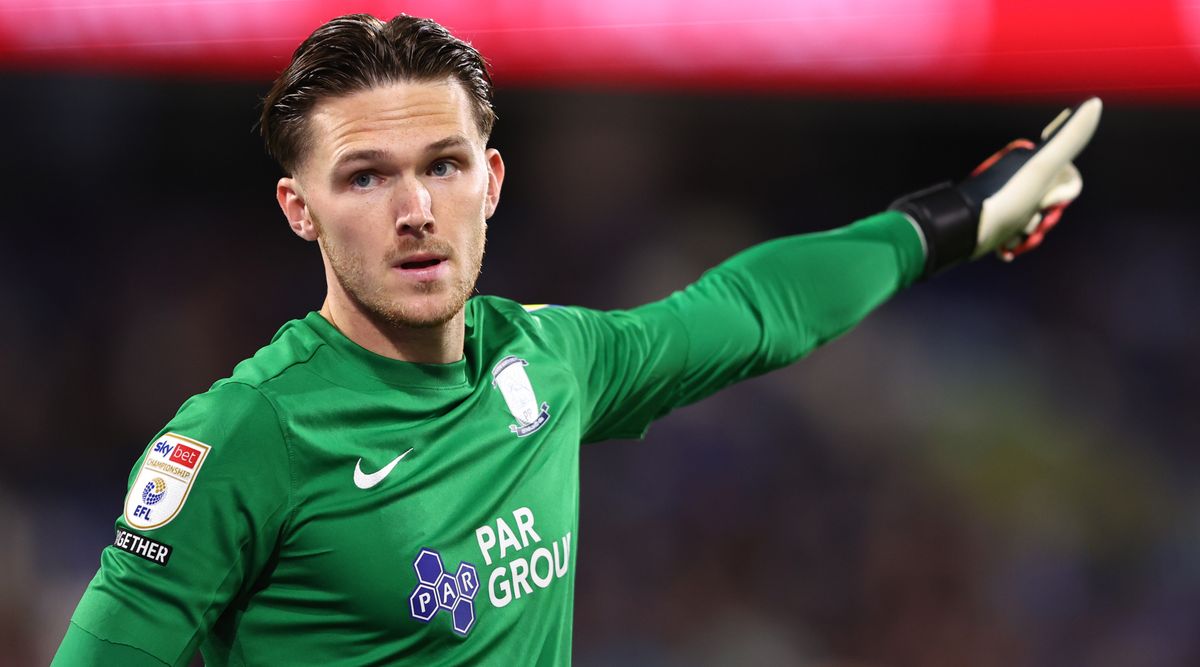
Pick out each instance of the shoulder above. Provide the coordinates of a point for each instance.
(232, 433)
(244, 399)
(228, 404)
(234, 420)
(493, 315)
(242, 408)
(528, 314)
(496, 306)
(294, 345)
(499, 317)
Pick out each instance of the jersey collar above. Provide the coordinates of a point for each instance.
(389, 371)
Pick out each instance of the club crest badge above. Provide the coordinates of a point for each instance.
(164, 481)
(510, 378)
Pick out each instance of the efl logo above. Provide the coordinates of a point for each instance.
(438, 590)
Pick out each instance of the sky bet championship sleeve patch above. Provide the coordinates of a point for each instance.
(163, 483)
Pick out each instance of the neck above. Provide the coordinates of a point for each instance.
(440, 344)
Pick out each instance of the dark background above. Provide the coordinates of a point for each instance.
(996, 468)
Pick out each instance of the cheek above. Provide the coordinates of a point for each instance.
(461, 197)
(352, 223)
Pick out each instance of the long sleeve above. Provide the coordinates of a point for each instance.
(760, 310)
(206, 504)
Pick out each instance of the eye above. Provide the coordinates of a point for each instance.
(443, 168)
(363, 180)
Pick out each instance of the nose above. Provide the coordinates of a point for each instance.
(414, 208)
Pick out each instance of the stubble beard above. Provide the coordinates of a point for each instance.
(377, 302)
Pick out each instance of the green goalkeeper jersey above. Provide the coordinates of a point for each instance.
(328, 506)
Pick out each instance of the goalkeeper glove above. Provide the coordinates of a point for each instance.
(1010, 201)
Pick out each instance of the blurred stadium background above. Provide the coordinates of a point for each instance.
(997, 468)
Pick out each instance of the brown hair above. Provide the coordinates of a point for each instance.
(356, 52)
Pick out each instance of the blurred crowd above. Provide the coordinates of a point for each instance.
(996, 468)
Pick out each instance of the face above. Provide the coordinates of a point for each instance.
(396, 188)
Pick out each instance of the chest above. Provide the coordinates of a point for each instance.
(421, 513)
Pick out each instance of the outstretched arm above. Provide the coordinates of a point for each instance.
(772, 304)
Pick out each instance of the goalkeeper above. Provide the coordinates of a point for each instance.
(394, 478)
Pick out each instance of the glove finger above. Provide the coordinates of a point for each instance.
(1032, 240)
(1029, 229)
(1004, 250)
(1064, 187)
(1067, 135)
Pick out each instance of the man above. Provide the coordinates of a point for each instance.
(394, 479)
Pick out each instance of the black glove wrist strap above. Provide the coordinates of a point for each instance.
(949, 221)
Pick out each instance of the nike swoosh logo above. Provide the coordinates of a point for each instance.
(365, 481)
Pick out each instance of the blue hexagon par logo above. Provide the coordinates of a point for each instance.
(440, 590)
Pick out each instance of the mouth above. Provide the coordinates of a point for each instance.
(422, 260)
(426, 266)
(420, 263)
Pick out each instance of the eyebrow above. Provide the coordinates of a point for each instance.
(368, 154)
(362, 154)
(453, 141)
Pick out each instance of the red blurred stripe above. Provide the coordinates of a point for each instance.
(1018, 48)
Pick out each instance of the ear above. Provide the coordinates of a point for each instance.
(495, 167)
(291, 201)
